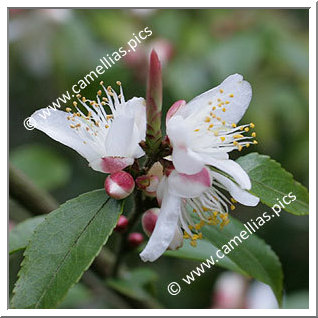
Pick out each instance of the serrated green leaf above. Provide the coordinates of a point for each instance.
(201, 252)
(253, 256)
(20, 235)
(63, 247)
(271, 182)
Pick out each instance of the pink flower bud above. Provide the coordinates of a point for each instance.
(149, 220)
(135, 239)
(121, 224)
(119, 185)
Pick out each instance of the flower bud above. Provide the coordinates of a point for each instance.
(135, 239)
(149, 220)
(119, 185)
(148, 184)
(121, 224)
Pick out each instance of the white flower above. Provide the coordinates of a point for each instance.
(108, 138)
(202, 133)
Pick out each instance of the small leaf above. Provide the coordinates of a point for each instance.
(201, 252)
(252, 255)
(63, 247)
(20, 235)
(270, 182)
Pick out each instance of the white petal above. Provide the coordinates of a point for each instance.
(163, 184)
(177, 241)
(122, 139)
(58, 128)
(233, 169)
(189, 186)
(184, 159)
(165, 228)
(233, 89)
(138, 105)
(236, 192)
(111, 164)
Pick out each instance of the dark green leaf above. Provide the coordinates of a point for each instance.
(201, 252)
(271, 182)
(63, 247)
(252, 255)
(20, 235)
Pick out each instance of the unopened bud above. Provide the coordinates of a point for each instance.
(135, 239)
(119, 185)
(121, 224)
(149, 220)
(148, 184)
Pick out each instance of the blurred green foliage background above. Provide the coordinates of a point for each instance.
(51, 49)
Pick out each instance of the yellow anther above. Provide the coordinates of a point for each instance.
(99, 93)
(238, 136)
(196, 129)
(83, 99)
(232, 207)
(118, 83)
(220, 104)
(68, 109)
(240, 147)
(194, 211)
(227, 102)
(216, 133)
(246, 129)
(211, 126)
(252, 125)
(247, 145)
(213, 115)
(207, 119)
(72, 126)
(74, 103)
(78, 96)
(235, 143)
(234, 125)
(213, 108)
(241, 128)
(219, 100)
(224, 109)
(233, 200)
(195, 236)
(106, 126)
(200, 236)
(254, 134)
(186, 235)
(197, 226)
(218, 118)
(222, 138)
(92, 103)
(193, 243)
(190, 227)
(255, 142)
(101, 83)
(205, 209)
(231, 95)
(221, 91)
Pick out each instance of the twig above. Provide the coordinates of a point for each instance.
(29, 195)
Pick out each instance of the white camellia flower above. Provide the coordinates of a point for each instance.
(202, 133)
(108, 141)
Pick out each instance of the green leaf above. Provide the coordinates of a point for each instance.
(252, 255)
(201, 252)
(20, 235)
(63, 247)
(270, 182)
(135, 285)
(46, 168)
